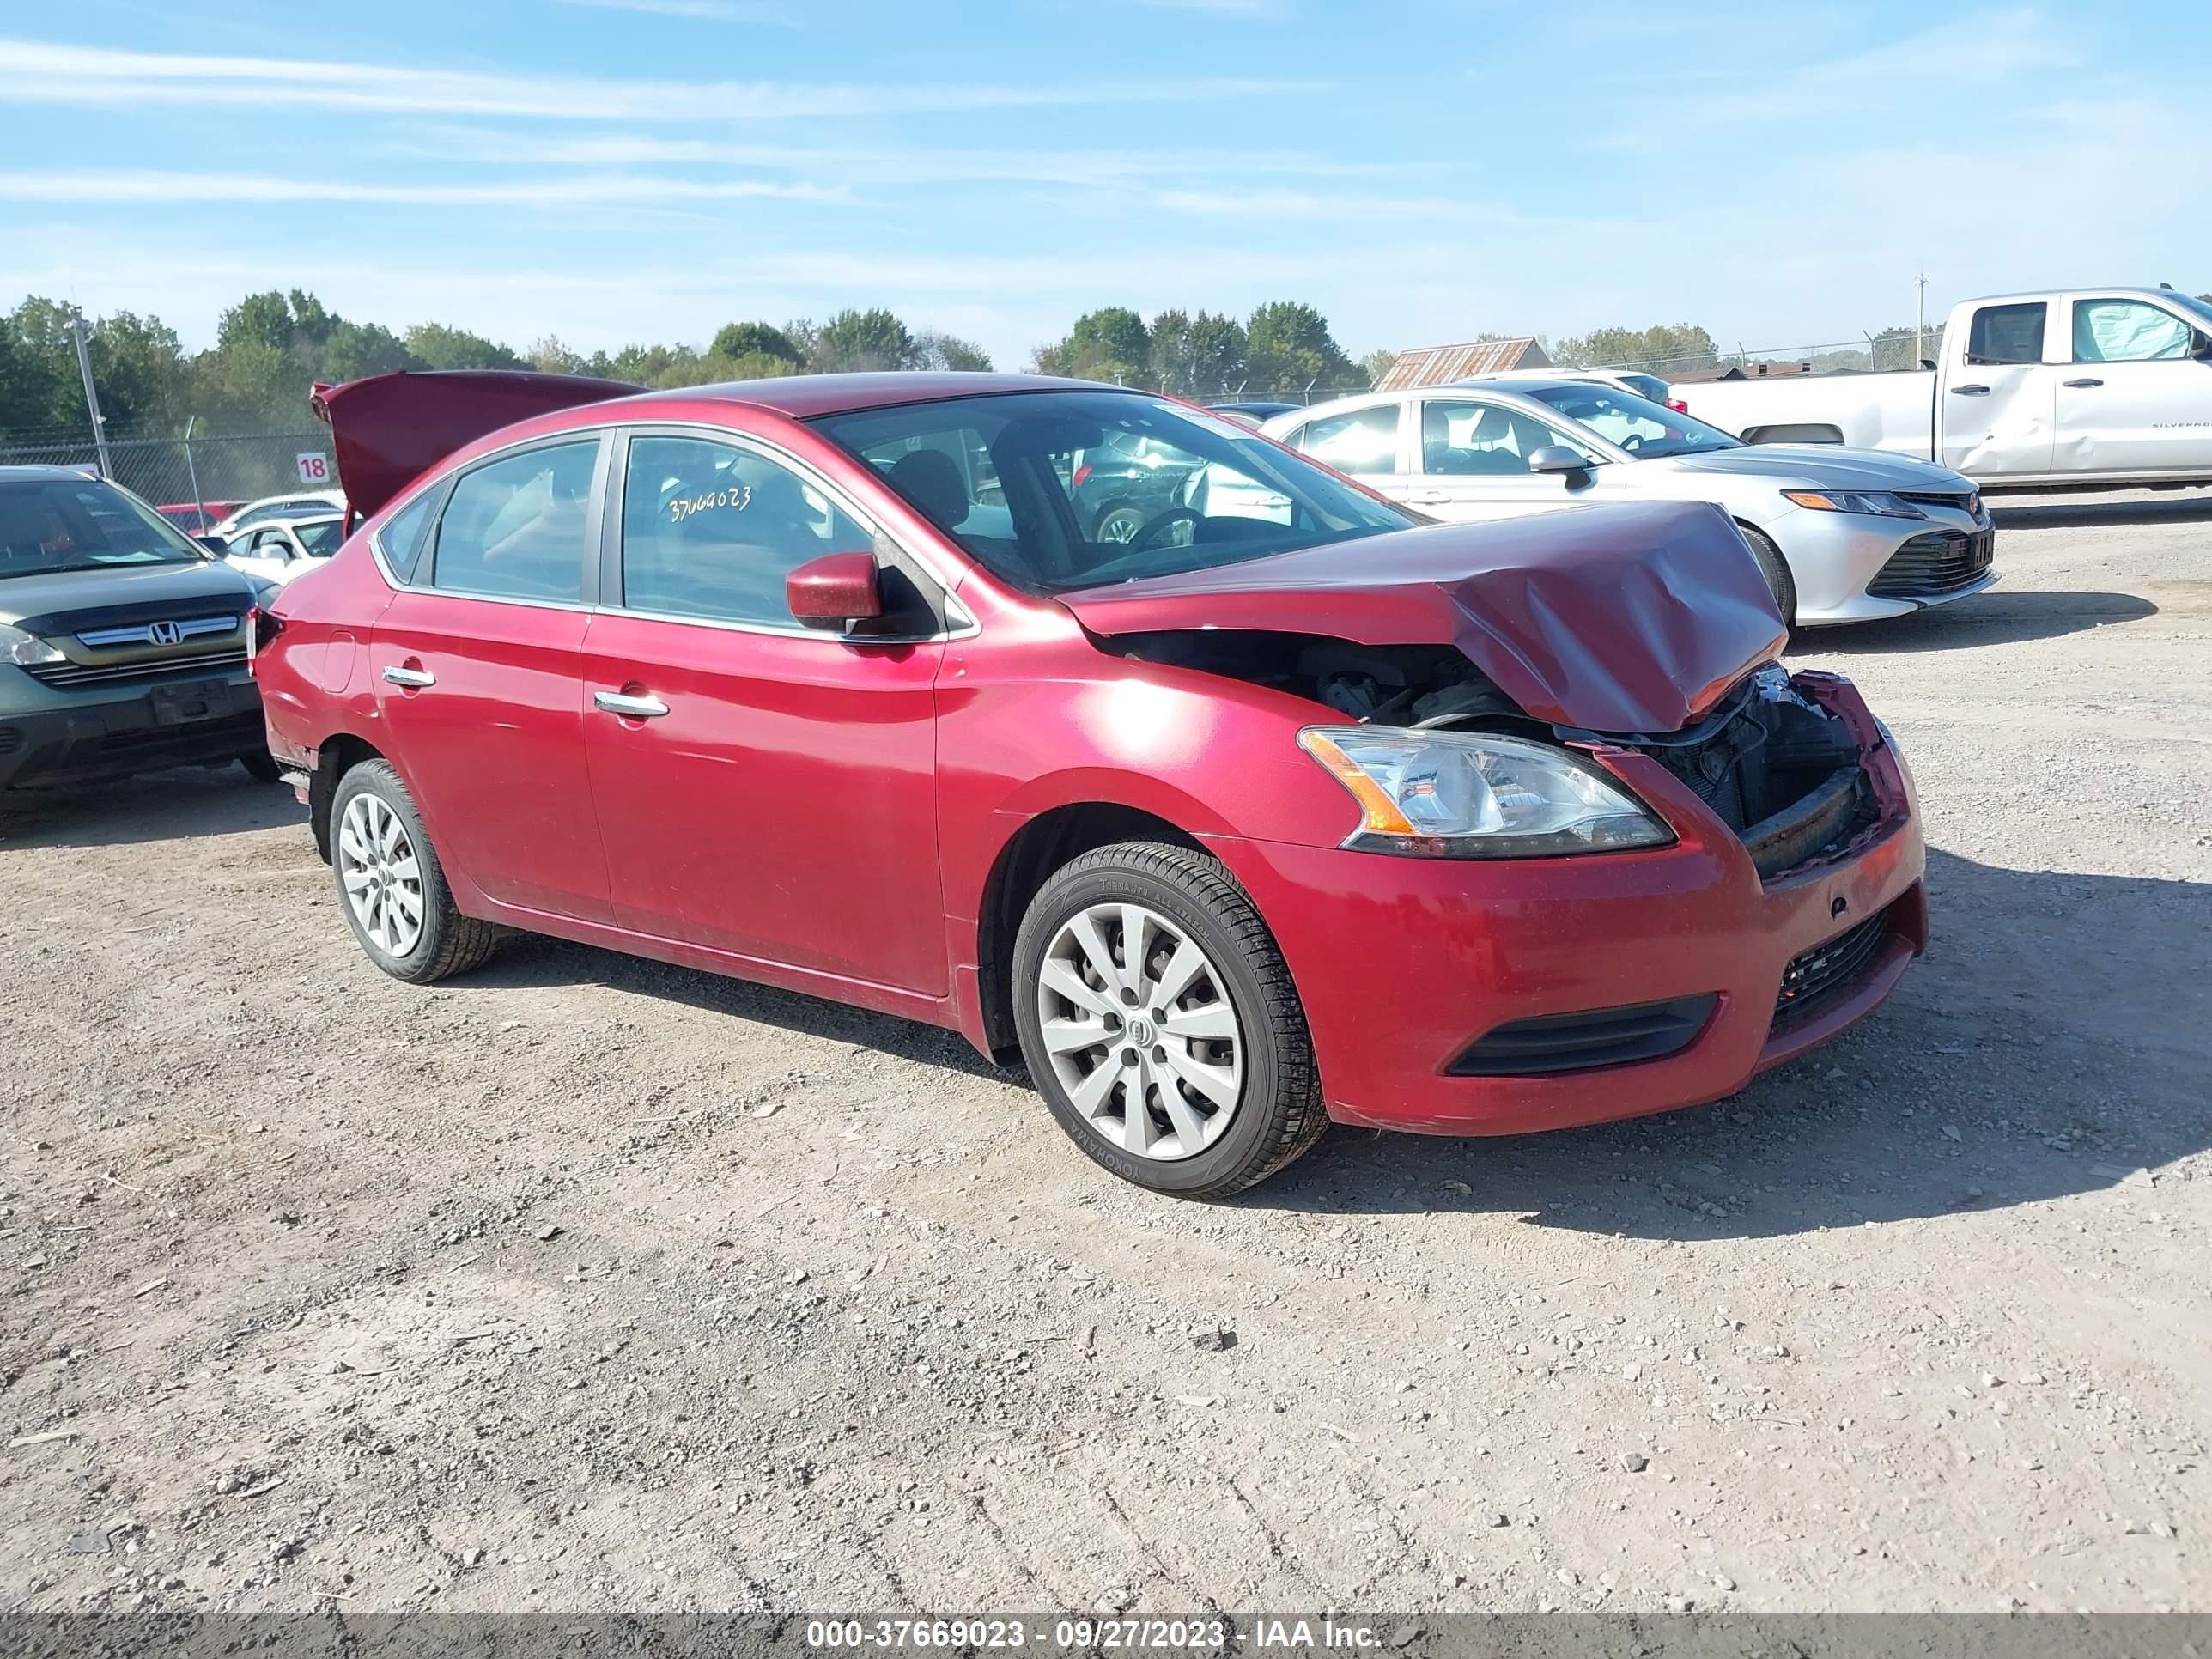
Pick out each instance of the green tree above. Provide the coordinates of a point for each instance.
(140, 369)
(1289, 346)
(1376, 364)
(1200, 356)
(739, 340)
(356, 351)
(436, 346)
(1662, 348)
(862, 340)
(263, 319)
(550, 357)
(35, 351)
(934, 348)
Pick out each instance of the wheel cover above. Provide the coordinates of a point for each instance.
(381, 875)
(1121, 524)
(1138, 1029)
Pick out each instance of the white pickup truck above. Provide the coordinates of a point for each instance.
(2087, 386)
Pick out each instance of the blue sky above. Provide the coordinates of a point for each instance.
(619, 170)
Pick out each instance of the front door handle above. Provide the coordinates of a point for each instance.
(414, 678)
(630, 708)
(1969, 391)
(2082, 383)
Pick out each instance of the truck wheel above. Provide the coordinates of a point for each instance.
(390, 886)
(1776, 569)
(1160, 1024)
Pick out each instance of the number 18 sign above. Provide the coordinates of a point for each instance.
(314, 467)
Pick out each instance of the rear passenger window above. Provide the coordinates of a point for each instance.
(711, 530)
(1365, 441)
(402, 534)
(2006, 334)
(514, 528)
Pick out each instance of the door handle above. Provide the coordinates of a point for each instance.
(413, 679)
(1969, 391)
(2082, 383)
(630, 708)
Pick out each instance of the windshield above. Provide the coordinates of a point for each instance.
(1644, 428)
(321, 538)
(2196, 308)
(83, 524)
(1015, 480)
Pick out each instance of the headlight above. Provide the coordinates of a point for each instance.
(1879, 503)
(1455, 795)
(17, 646)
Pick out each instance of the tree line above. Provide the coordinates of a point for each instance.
(271, 347)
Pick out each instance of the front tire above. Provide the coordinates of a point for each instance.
(391, 886)
(1160, 1024)
(1776, 569)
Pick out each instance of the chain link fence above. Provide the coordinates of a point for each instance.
(230, 467)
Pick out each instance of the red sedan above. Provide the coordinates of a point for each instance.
(1287, 808)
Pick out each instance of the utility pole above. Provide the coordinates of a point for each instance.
(81, 331)
(1920, 321)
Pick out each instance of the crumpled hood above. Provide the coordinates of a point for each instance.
(1621, 618)
(1827, 464)
(46, 602)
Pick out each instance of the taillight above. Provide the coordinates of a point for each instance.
(262, 627)
(1082, 474)
(1678, 405)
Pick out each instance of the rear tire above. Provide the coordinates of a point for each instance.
(261, 766)
(391, 887)
(1202, 1034)
(1776, 569)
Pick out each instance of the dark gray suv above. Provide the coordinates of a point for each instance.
(122, 642)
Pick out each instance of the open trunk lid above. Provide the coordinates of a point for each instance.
(389, 429)
(1630, 618)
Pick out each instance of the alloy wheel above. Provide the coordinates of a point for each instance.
(1140, 1032)
(383, 877)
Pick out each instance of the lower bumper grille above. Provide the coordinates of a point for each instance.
(1937, 563)
(1579, 1042)
(1819, 977)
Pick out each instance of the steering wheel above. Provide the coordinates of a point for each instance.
(1154, 527)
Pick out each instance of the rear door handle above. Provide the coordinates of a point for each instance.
(1969, 391)
(630, 708)
(414, 678)
(2082, 383)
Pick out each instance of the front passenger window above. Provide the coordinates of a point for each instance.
(515, 528)
(1363, 442)
(2127, 331)
(710, 530)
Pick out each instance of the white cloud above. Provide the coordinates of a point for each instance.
(33, 72)
(713, 11)
(158, 188)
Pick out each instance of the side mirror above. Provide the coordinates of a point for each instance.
(835, 590)
(2203, 352)
(1558, 458)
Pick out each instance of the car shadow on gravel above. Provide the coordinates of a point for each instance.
(535, 959)
(190, 804)
(2054, 1042)
(1996, 617)
(2196, 507)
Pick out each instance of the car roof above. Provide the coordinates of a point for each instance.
(802, 397)
(28, 470)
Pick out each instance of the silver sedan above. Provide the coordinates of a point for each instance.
(1843, 535)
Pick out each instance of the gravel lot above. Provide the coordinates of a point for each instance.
(587, 1283)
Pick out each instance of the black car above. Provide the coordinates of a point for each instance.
(122, 644)
(1255, 412)
(1123, 483)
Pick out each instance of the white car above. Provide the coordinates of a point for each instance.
(284, 548)
(1620, 379)
(1841, 535)
(299, 504)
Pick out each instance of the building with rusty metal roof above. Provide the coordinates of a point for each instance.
(1442, 365)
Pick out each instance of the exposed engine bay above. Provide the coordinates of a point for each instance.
(1776, 768)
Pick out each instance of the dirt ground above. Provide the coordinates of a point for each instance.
(583, 1283)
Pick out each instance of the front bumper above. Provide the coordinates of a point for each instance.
(60, 740)
(1834, 559)
(1402, 963)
